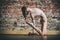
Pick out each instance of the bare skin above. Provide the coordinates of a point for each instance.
(34, 12)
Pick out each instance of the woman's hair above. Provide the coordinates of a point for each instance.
(24, 10)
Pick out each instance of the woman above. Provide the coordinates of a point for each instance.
(36, 11)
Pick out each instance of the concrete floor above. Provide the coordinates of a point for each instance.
(26, 37)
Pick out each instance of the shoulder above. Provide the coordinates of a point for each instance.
(39, 9)
(29, 9)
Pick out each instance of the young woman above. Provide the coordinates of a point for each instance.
(36, 11)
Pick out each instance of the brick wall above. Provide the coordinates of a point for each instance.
(11, 17)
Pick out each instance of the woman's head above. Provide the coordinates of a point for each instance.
(24, 11)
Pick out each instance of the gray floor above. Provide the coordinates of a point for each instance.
(21, 37)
